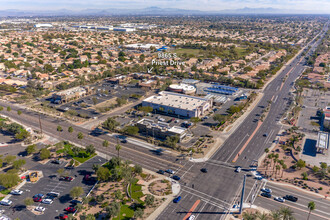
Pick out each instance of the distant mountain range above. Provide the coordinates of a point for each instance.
(152, 11)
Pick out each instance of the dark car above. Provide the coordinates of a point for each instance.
(63, 216)
(268, 195)
(204, 170)
(124, 141)
(177, 199)
(265, 134)
(57, 161)
(70, 209)
(176, 178)
(74, 202)
(87, 177)
(161, 171)
(291, 198)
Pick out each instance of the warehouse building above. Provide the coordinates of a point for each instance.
(178, 104)
(221, 89)
(160, 129)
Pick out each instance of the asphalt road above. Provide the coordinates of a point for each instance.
(219, 188)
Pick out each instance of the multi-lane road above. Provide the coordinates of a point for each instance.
(214, 192)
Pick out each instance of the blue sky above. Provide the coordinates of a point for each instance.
(313, 5)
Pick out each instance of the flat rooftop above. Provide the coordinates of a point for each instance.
(323, 140)
(176, 100)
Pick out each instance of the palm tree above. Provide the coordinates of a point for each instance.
(276, 215)
(284, 166)
(118, 148)
(278, 168)
(311, 207)
(262, 216)
(286, 213)
(249, 216)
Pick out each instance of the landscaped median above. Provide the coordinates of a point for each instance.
(79, 154)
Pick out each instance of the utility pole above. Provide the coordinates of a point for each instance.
(40, 124)
(242, 196)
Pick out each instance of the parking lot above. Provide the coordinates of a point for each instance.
(51, 183)
(313, 100)
(103, 92)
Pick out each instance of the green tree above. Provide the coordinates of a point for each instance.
(31, 149)
(94, 100)
(267, 150)
(70, 129)
(22, 135)
(9, 159)
(118, 148)
(1, 108)
(9, 180)
(105, 143)
(60, 171)
(324, 165)
(17, 164)
(150, 199)
(8, 108)
(195, 120)
(286, 213)
(90, 149)
(118, 195)
(80, 136)
(76, 192)
(44, 153)
(301, 164)
(110, 124)
(137, 169)
(311, 206)
(28, 201)
(113, 209)
(131, 130)
(59, 128)
(138, 213)
(304, 175)
(19, 112)
(103, 174)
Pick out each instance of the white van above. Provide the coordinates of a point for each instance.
(6, 202)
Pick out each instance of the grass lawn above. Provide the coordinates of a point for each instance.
(80, 158)
(5, 191)
(125, 209)
(194, 52)
(136, 191)
(1, 198)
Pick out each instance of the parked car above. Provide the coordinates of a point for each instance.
(291, 198)
(176, 178)
(66, 178)
(161, 171)
(53, 194)
(177, 199)
(40, 209)
(266, 190)
(204, 170)
(87, 177)
(56, 161)
(192, 217)
(169, 171)
(75, 202)
(70, 209)
(38, 195)
(279, 199)
(268, 195)
(37, 199)
(124, 141)
(6, 202)
(63, 216)
(48, 200)
(238, 169)
(16, 192)
(265, 135)
(258, 177)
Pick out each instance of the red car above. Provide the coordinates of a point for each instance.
(63, 216)
(37, 199)
(70, 209)
(66, 178)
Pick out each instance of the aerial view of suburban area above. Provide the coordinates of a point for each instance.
(164, 110)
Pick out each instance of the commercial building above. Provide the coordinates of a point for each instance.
(43, 25)
(141, 46)
(326, 118)
(182, 88)
(71, 94)
(160, 129)
(322, 143)
(178, 104)
(221, 89)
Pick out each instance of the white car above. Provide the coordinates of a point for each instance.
(40, 209)
(6, 202)
(47, 201)
(192, 217)
(16, 192)
(279, 199)
(238, 169)
(266, 190)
